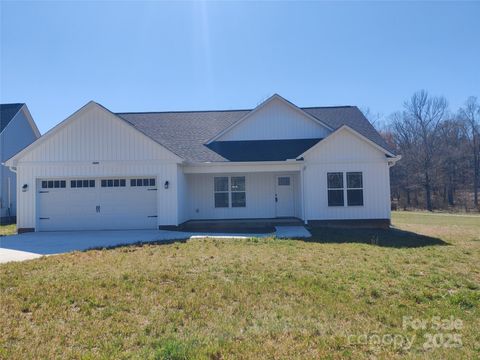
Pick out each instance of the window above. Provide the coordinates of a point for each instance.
(82, 183)
(229, 190)
(113, 183)
(238, 191)
(335, 189)
(354, 189)
(284, 181)
(142, 182)
(54, 184)
(221, 192)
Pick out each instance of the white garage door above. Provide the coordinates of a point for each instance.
(97, 204)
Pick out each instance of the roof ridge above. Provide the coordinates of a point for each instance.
(179, 111)
(223, 110)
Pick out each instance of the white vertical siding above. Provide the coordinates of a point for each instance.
(260, 196)
(95, 135)
(346, 152)
(166, 201)
(276, 120)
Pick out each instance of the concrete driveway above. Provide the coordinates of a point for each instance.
(32, 245)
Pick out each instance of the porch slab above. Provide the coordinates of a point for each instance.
(291, 232)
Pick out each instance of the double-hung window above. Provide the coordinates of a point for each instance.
(229, 191)
(337, 191)
(354, 189)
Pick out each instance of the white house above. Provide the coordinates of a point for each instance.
(17, 130)
(103, 170)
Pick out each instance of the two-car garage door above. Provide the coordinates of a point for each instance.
(97, 204)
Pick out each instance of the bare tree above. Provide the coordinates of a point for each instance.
(422, 117)
(471, 115)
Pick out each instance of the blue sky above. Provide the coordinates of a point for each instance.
(157, 56)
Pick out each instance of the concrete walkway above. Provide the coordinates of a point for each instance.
(32, 245)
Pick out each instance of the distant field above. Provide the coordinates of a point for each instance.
(341, 295)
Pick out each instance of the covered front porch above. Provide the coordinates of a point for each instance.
(236, 193)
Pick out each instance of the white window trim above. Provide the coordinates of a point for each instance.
(229, 191)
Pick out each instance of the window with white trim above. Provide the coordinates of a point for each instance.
(54, 184)
(229, 191)
(335, 189)
(113, 183)
(354, 189)
(82, 183)
(221, 192)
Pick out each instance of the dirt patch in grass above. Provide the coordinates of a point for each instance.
(255, 298)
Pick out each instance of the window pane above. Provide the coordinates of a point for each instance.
(221, 184)
(238, 199)
(63, 183)
(238, 183)
(116, 183)
(44, 184)
(104, 183)
(284, 181)
(152, 182)
(335, 197)
(73, 184)
(56, 184)
(85, 183)
(355, 197)
(79, 183)
(110, 183)
(133, 182)
(50, 184)
(221, 200)
(145, 182)
(123, 182)
(92, 183)
(335, 180)
(354, 180)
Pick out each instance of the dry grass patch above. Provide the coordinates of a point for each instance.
(257, 298)
(8, 229)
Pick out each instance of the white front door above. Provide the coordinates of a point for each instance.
(284, 196)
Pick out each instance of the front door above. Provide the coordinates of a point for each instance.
(284, 196)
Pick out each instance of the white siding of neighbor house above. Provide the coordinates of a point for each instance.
(345, 152)
(276, 120)
(95, 135)
(16, 136)
(260, 196)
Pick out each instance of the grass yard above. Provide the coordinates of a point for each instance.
(341, 295)
(8, 229)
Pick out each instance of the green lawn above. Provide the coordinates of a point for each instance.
(8, 229)
(222, 299)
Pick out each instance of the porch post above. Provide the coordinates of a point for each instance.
(302, 182)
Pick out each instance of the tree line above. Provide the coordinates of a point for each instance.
(440, 149)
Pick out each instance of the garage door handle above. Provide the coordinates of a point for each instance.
(98, 208)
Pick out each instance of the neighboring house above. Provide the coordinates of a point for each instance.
(17, 130)
(104, 170)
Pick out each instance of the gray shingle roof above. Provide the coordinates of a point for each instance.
(186, 133)
(7, 113)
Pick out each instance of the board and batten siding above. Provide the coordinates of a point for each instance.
(345, 152)
(276, 120)
(17, 135)
(260, 196)
(95, 135)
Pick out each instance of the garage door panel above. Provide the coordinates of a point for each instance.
(115, 205)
